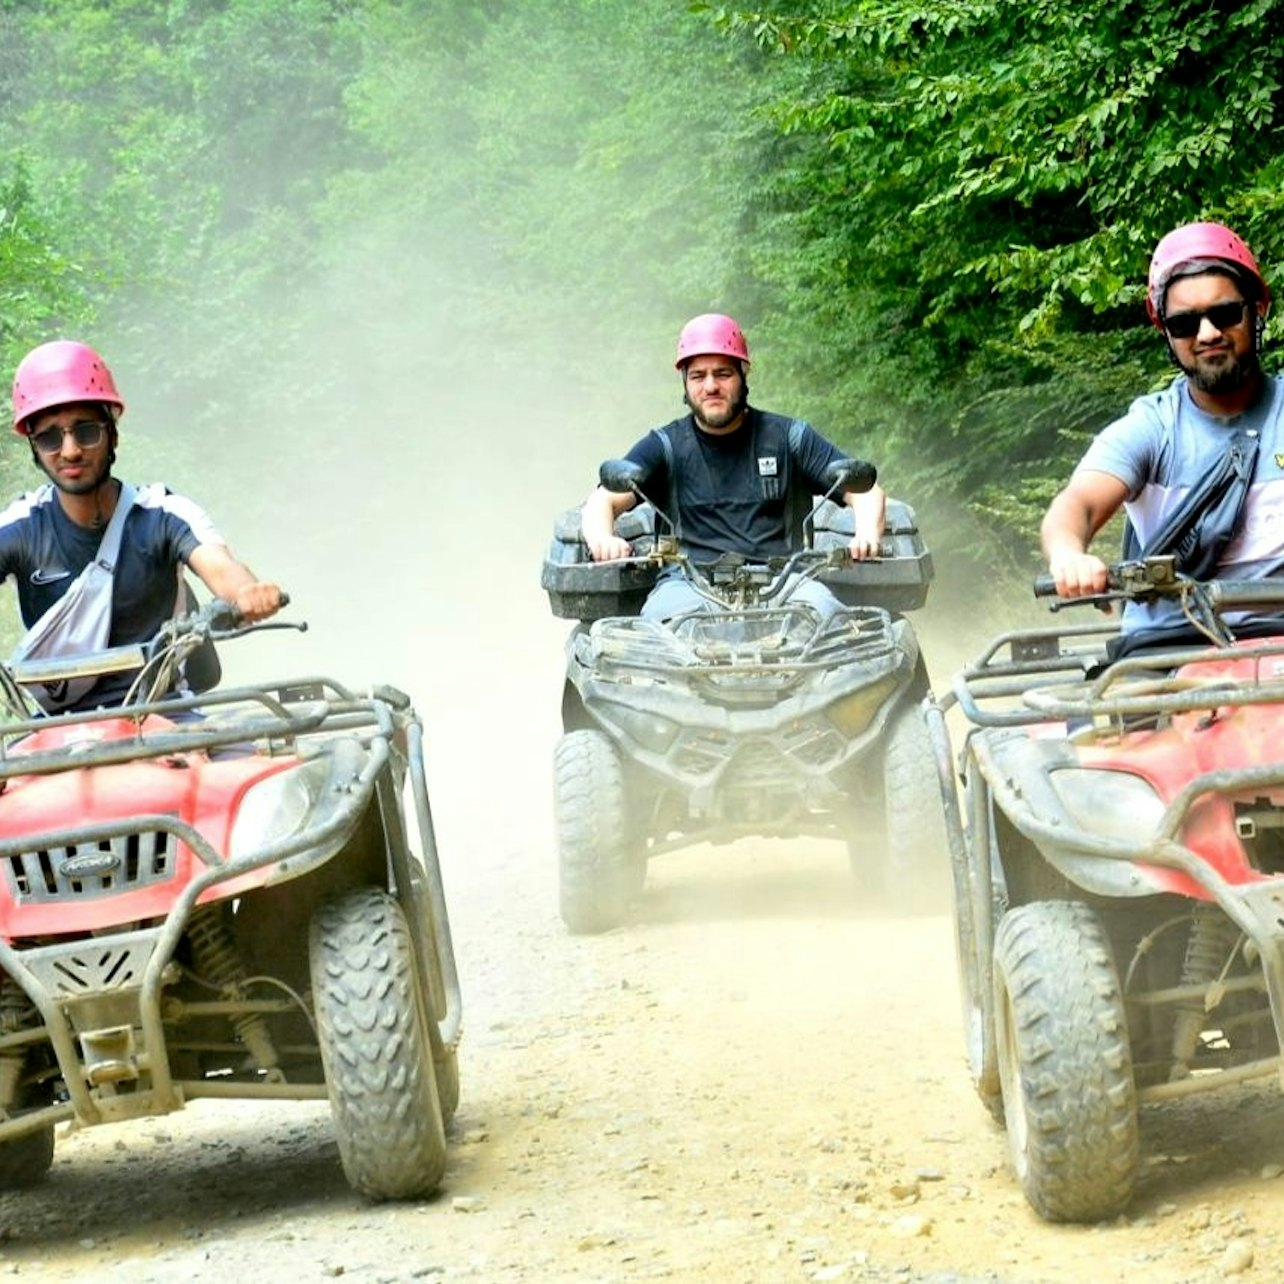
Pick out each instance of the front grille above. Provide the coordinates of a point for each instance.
(759, 765)
(813, 743)
(87, 870)
(700, 753)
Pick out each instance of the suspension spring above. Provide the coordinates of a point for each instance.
(216, 960)
(16, 1010)
(1210, 946)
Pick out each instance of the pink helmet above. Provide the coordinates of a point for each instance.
(1198, 247)
(711, 334)
(57, 373)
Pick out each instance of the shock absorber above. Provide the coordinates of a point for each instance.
(15, 1009)
(214, 955)
(1213, 939)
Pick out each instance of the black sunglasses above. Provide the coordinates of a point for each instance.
(87, 432)
(1185, 325)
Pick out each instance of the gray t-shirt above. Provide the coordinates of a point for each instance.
(1163, 447)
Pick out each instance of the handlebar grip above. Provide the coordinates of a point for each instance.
(1045, 586)
(1246, 593)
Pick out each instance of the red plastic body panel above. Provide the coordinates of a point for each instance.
(1195, 744)
(202, 792)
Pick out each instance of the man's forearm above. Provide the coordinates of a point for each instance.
(597, 518)
(1066, 529)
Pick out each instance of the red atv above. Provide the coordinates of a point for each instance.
(1118, 860)
(217, 896)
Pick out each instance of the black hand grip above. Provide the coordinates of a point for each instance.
(1244, 594)
(1045, 586)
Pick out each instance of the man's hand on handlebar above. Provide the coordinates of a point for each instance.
(1078, 574)
(865, 546)
(611, 549)
(258, 600)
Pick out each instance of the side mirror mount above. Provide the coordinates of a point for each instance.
(622, 476)
(625, 477)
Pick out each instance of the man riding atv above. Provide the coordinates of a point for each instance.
(741, 665)
(229, 893)
(97, 562)
(1197, 466)
(737, 479)
(1116, 849)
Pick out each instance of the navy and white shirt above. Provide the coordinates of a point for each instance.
(44, 550)
(1163, 446)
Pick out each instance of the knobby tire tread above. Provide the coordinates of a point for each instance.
(914, 816)
(1070, 1037)
(375, 1047)
(594, 848)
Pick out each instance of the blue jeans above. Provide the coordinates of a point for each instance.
(673, 596)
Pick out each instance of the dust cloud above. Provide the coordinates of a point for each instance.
(396, 461)
(400, 476)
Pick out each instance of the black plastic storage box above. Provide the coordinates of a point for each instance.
(581, 589)
(899, 581)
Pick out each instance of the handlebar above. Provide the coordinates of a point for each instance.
(1227, 595)
(154, 662)
(1140, 578)
(216, 618)
(1146, 579)
(735, 581)
(214, 621)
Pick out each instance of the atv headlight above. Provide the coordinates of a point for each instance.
(853, 713)
(650, 730)
(1110, 804)
(277, 807)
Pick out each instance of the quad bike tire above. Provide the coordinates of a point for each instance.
(445, 1060)
(445, 1064)
(972, 889)
(1064, 1062)
(600, 866)
(26, 1161)
(913, 814)
(376, 1047)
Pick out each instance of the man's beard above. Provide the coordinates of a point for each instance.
(729, 416)
(82, 485)
(1225, 377)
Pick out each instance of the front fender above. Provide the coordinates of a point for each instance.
(1017, 768)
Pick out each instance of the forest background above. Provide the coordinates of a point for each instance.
(933, 219)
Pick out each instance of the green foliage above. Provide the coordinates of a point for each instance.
(988, 179)
(588, 157)
(41, 291)
(934, 218)
(183, 145)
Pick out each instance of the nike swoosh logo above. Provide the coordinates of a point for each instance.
(39, 576)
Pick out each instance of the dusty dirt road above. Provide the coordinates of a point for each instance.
(757, 1079)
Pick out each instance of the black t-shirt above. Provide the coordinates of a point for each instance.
(731, 492)
(44, 550)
